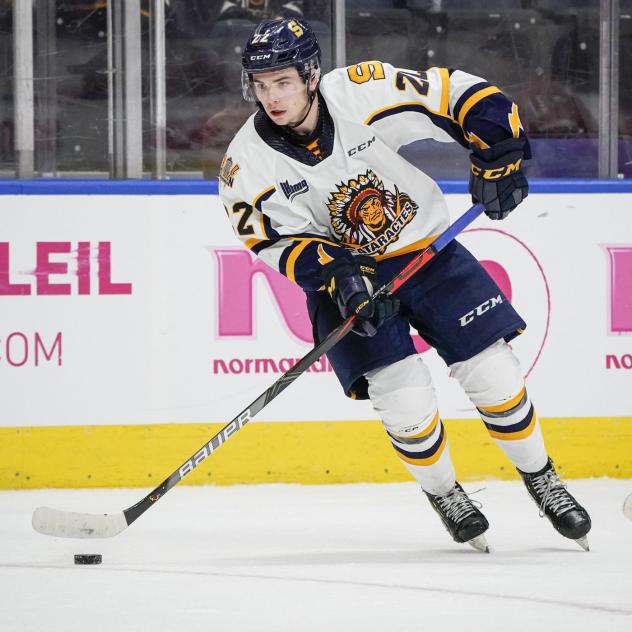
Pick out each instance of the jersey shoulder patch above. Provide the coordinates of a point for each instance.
(228, 170)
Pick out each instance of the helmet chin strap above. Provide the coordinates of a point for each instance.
(311, 96)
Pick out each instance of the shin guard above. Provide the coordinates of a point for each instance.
(493, 381)
(403, 396)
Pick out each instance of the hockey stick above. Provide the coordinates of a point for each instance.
(68, 524)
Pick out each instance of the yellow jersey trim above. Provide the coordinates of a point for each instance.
(302, 243)
(369, 118)
(473, 100)
(445, 91)
(293, 256)
(415, 246)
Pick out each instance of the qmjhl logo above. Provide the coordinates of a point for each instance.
(292, 190)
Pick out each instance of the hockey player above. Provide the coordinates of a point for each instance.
(314, 186)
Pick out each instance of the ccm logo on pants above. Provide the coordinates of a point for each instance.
(480, 310)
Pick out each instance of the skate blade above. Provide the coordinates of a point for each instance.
(479, 543)
(583, 542)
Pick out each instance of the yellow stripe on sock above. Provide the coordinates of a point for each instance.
(428, 460)
(426, 432)
(514, 436)
(505, 406)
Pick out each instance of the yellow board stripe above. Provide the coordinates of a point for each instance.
(315, 452)
(508, 405)
(474, 99)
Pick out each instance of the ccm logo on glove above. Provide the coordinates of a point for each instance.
(495, 174)
(496, 178)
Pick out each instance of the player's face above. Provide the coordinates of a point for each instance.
(372, 213)
(282, 94)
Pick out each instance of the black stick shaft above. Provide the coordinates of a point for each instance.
(238, 422)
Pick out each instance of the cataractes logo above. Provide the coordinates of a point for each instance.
(368, 217)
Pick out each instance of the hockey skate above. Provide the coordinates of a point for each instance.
(462, 519)
(567, 516)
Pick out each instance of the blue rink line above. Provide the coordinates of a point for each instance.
(71, 186)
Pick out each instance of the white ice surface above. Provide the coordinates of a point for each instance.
(301, 558)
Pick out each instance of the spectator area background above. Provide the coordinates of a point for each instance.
(545, 55)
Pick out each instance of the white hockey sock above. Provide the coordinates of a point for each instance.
(426, 456)
(403, 396)
(514, 426)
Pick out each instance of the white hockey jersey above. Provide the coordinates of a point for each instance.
(296, 205)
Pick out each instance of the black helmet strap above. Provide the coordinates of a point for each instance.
(311, 95)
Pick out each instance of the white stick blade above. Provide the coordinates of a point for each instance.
(68, 524)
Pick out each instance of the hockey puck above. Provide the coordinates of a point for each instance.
(92, 558)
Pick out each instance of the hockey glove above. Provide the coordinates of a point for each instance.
(496, 180)
(349, 281)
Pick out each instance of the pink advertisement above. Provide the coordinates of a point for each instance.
(145, 310)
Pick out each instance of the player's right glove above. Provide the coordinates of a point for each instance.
(496, 179)
(349, 281)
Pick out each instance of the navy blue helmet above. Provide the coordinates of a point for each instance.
(278, 44)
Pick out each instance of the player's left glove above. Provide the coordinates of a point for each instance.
(349, 281)
(496, 179)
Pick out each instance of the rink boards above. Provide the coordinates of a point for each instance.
(134, 326)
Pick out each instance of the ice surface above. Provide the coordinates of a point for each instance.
(316, 558)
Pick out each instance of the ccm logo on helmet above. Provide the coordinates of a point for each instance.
(490, 303)
(253, 57)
